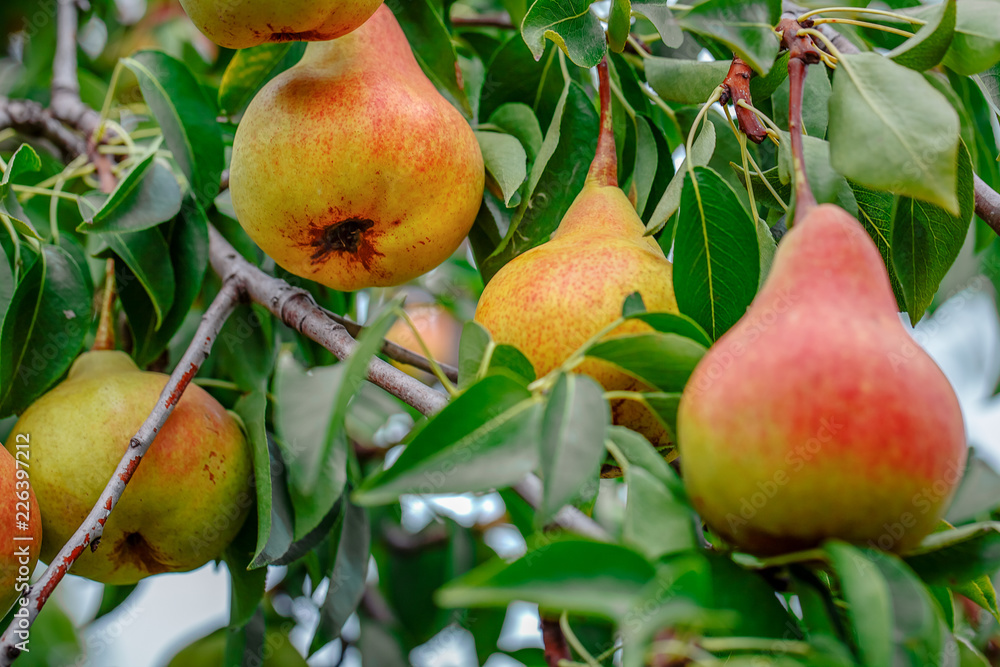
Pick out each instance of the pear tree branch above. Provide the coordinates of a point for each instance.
(89, 533)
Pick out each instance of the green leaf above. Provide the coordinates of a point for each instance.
(875, 215)
(716, 258)
(305, 414)
(926, 240)
(147, 256)
(658, 13)
(433, 48)
(575, 419)
(251, 409)
(484, 439)
(978, 492)
(869, 602)
(187, 238)
(519, 120)
(619, 24)
(657, 519)
(646, 160)
(744, 27)
(958, 556)
(701, 153)
(928, 47)
(571, 25)
(43, 330)
(556, 178)
(684, 81)
(976, 45)
(186, 116)
(246, 347)
(246, 586)
(474, 345)
(251, 68)
(350, 570)
(355, 372)
(894, 618)
(506, 162)
(147, 197)
(513, 76)
(981, 592)
(575, 575)
(891, 130)
(664, 361)
(278, 546)
(24, 161)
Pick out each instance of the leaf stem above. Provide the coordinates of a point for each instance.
(574, 641)
(105, 338)
(866, 24)
(860, 10)
(16, 240)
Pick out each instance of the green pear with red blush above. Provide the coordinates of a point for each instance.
(187, 499)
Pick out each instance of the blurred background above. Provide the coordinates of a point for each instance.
(426, 540)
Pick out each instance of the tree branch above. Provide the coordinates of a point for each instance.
(296, 308)
(556, 647)
(66, 104)
(89, 533)
(33, 120)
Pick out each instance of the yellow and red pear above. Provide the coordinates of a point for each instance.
(238, 24)
(20, 522)
(187, 499)
(351, 169)
(817, 416)
(553, 298)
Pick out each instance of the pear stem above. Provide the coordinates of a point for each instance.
(604, 168)
(105, 338)
(802, 53)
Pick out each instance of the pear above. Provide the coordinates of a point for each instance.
(351, 169)
(238, 24)
(817, 416)
(20, 523)
(553, 298)
(210, 651)
(438, 329)
(186, 501)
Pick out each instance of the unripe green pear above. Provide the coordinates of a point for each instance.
(20, 524)
(351, 169)
(552, 299)
(210, 651)
(187, 499)
(817, 416)
(238, 24)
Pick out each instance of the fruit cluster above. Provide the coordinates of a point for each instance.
(352, 170)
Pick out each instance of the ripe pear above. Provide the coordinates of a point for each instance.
(817, 416)
(210, 651)
(438, 329)
(187, 499)
(20, 524)
(553, 298)
(238, 24)
(351, 169)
